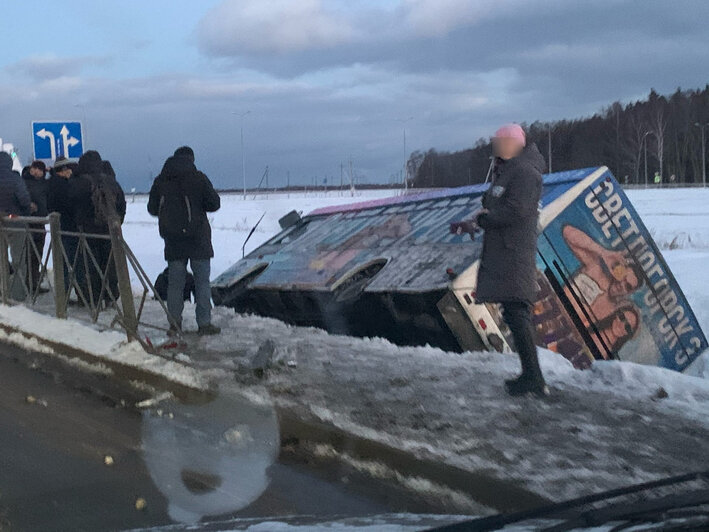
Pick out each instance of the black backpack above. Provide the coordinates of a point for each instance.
(177, 218)
(103, 197)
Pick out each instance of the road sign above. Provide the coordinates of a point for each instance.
(55, 139)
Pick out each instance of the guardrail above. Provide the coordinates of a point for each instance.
(662, 185)
(95, 266)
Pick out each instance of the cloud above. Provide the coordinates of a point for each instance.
(277, 26)
(439, 17)
(50, 66)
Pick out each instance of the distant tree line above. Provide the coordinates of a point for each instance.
(660, 133)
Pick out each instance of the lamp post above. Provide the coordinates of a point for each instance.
(243, 154)
(549, 133)
(704, 152)
(644, 141)
(405, 169)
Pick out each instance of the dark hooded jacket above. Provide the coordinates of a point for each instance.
(38, 192)
(508, 265)
(14, 197)
(94, 196)
(59, 199)
(180, 176)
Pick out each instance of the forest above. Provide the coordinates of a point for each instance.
(660, 135)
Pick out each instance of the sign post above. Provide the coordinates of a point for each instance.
(56, 139)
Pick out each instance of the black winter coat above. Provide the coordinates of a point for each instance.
(91, 212)
(59, 195)
(38, 192)
(179, 175)
(508, 265)
(14, 198)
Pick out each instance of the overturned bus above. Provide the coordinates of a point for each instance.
(391, 268)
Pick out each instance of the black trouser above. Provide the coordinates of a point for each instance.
(518, 317)
(101, 250)
(34, 265)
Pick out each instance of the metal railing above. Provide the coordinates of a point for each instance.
(96, 267)
(662, 185)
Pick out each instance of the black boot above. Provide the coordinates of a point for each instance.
(523, 386)
(515, 382)
(518, 317)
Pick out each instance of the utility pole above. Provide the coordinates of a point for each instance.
(549, 132)
(704, 152)
(645, 146)
(352, 186)
(243, 154)
(405, 167)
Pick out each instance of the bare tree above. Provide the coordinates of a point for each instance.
(658, 125)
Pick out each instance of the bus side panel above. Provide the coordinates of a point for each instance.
(622, 293)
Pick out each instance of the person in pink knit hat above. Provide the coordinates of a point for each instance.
(507, 273)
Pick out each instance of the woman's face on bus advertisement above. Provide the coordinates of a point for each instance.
(625, 281)
(624, 324)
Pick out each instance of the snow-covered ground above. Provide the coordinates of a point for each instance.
(611, 426)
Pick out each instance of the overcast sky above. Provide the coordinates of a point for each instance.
(326, 80)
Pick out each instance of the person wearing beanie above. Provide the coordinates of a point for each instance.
(36, 182)
(59, 199)
(509, 216)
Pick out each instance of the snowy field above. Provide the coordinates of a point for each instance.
(231, 224)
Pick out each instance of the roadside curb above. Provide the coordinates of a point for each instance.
(128, 374)
(457, 487)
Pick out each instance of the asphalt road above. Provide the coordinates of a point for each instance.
(53, 476)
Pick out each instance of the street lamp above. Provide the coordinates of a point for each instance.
(704, 153)
(403, 122)
(243, 155)
(549, 133)
(644, 141)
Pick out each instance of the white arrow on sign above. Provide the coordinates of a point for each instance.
(68, 141)
(44, 134)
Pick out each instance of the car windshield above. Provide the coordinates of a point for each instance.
(316, 265)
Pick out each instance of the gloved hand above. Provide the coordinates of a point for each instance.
(466, 226)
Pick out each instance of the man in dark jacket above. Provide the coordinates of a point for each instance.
(59, 194)
(508, 265)
(181, 197)
(35, 180)
(14, 197)
(96, 198)
(14, 201)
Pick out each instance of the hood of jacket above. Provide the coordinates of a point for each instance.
(532, 157)
(176, 167)
(5, 161)
(90, 163)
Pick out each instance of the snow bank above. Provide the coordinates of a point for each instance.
(107, 345)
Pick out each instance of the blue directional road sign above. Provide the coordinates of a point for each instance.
(54, 139)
